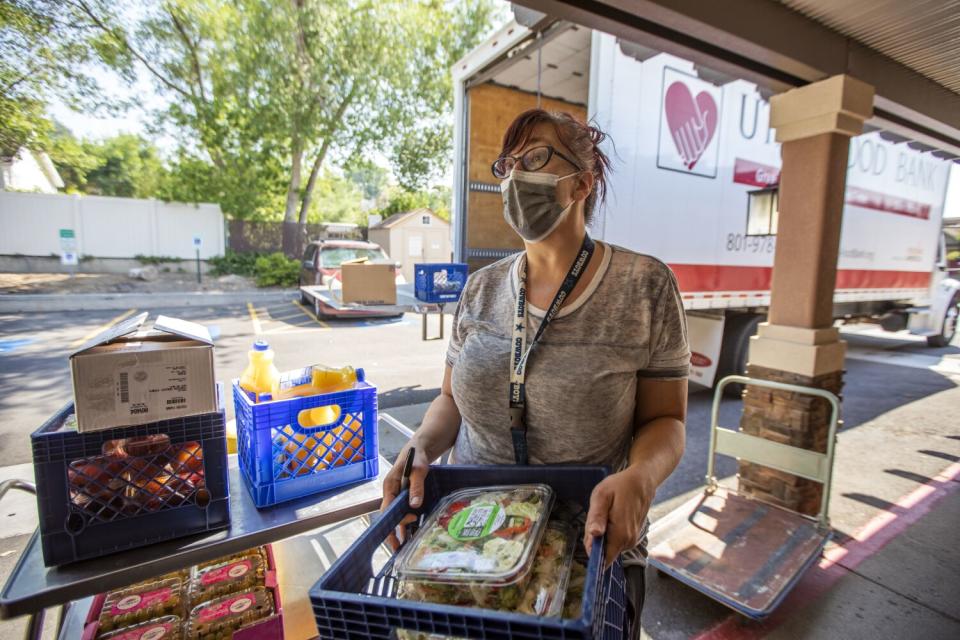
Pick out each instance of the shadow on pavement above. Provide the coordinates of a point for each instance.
(403, 396)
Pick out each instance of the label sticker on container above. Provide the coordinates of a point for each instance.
(457, 560)
(224, 608)
(140, 601)
(142, 385)
(228, 572)
(477, 521)
(152, 632)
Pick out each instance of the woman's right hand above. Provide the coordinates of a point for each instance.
(391, 488)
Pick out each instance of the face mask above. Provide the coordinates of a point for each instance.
(530, 203)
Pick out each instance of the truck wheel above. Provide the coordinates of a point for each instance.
(949, 328)
(733, 351)
(305, 301)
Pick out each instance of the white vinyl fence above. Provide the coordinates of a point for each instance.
(30, 225)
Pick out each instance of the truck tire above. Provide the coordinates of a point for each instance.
(737, 332)
(948, 329)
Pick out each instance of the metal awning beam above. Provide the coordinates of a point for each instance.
(777, 48)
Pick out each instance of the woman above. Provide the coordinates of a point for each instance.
(606, 379)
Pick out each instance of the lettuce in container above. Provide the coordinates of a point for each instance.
(540, 591)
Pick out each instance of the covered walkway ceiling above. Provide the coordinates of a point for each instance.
(908, 50)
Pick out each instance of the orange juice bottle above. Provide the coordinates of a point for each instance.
(261, 377)
(328, 380)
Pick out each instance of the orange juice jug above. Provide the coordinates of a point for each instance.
(328, 380)
(261, 377)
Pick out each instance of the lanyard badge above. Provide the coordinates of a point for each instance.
(521, 352)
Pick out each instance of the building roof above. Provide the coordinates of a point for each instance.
(397, 218)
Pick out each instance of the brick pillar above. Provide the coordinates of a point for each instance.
(799, 344)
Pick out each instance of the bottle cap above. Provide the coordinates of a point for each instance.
(260, 345)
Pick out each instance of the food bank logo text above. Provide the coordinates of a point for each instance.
(690, 113)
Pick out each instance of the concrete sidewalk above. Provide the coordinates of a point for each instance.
(893, 568)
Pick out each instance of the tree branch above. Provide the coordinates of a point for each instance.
(321, 156)
(192, 47)
(122, 40)
(6, 90)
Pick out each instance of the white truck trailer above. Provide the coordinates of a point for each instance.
(694, 183)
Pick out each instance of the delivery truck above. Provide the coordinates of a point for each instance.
(696, 170)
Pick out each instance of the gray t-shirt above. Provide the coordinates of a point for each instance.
(581, 378)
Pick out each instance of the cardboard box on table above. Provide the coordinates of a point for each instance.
(368, 283)
(127, 376)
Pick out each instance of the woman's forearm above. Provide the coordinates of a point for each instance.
(656, 451)
(439, 428)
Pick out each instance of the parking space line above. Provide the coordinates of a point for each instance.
(283, 318)
(320, 322)
(257, 329)
(103, 327)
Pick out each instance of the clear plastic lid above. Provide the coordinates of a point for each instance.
(547, 588)
(483, 536)
(235, 574)
(223, 616)
(139, 603)
(165, 628)
(542, 595)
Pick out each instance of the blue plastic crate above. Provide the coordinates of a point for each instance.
(281, 461)
(108, 491)
(439, 281)
(352, 602)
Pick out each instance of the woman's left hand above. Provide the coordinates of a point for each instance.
(618, 508)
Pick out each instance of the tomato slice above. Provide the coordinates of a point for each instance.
(509, 532)
(452, 510)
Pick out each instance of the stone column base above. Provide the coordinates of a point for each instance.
(793, 356)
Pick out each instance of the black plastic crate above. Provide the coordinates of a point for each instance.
(352, 602)
(108, 491)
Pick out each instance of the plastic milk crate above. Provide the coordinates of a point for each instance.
(439, 281)
(353, 601)
(281, 460)
(107, 491)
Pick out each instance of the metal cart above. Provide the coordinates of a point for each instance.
(32, 588)
(406, 303)
(744, 553)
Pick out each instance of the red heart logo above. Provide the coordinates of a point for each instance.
(692, 122)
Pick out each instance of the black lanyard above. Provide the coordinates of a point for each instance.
(521, 353)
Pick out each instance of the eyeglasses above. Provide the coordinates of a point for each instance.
(531, 160)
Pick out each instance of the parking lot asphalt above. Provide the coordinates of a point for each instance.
(35, 350)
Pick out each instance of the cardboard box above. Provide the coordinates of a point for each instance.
(128, 376)
(368, 283)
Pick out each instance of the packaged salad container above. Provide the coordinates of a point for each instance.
(478, 538)
(543, 595)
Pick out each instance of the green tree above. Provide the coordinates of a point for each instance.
(127, 166)
(71, 157)
(370, 177)
(256, 85)
(124, 165)
(400, 201)
(44, 53)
